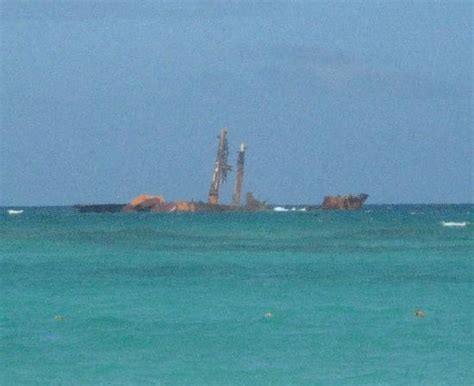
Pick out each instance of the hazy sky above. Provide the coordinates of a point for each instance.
(102, 101)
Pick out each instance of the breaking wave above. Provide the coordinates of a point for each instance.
(454, 224)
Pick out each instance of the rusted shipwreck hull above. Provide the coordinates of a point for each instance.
(148, 203)
(344, 202)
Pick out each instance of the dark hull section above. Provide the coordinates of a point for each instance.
(100, 208)
(205, 207)
(219, 208)
(202, 207)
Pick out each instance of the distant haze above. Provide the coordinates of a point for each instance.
(102, 101)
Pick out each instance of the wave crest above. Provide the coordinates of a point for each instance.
(454, 224)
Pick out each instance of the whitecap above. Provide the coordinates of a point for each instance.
(15, 211)
(280, 209)
(454, 224)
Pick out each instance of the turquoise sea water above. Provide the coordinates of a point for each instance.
(180, 299)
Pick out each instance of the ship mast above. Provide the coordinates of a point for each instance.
(221, 169)
(240, 176)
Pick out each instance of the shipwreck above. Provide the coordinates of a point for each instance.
(157, 203)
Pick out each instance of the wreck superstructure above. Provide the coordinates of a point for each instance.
(153, 203)
(240, 176)
(221, 168)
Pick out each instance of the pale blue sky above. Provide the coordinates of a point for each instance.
(102, 101)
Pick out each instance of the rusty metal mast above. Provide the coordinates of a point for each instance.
(221, 169)
(240, 176)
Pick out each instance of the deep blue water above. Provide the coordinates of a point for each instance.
(180, 299)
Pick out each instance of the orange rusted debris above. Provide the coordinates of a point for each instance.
(185, 206)
(145, 202)
(163, 207)
(146, 197)
(344, 202)
(149, 203)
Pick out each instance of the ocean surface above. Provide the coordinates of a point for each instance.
(311, 298)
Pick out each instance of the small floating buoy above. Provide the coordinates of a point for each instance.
(268, 315)
(420, 313)
(59, 317)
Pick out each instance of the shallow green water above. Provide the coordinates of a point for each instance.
(180, 299)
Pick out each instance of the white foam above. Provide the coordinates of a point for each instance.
(280, 209)
(454, 224)
(15, 211)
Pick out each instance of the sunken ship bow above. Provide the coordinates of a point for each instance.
(344, 202)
